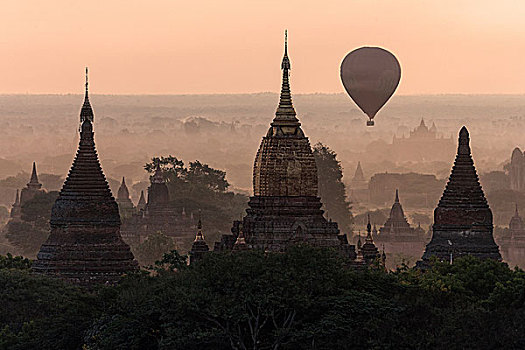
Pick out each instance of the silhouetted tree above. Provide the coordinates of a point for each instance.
(332, 190)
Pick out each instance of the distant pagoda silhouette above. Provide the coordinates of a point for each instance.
(462, 219)
(125, 205)
(85, 245)
(285, 208)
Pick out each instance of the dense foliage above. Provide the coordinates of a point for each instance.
(153, 248)
(28, 234)
(332, 190)
(198, 187)
(307, 298)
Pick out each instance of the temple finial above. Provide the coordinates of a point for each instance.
(286, 42)
(87, 84)
(86, 113)
(464, 141)
(285, 114)
(397, 196)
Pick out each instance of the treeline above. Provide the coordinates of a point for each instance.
(307, 298)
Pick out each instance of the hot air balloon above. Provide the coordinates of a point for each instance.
(370, 76)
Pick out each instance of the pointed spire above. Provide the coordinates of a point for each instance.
(285, 114)
(33, 182)
(85, 197)
(142, 201)
(359, 176)
(123, 192)
(397, 196)
(516, 213)
(422, 124)
(34, 176)
(86, 112)
(199, 236)
(368, 230)
(464, 142)
(359, 243)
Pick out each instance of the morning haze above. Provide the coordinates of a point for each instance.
(209, 185)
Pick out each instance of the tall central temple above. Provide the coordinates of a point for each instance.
(285, 208)
(85, 245)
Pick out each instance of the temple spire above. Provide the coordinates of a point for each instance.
(199, 236)
(86, 112)
(285, 113)
(368, 230)
(517, 213)
(87, 84)
(397, 196)
(33, 182)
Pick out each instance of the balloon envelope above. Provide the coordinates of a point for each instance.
(370, 76)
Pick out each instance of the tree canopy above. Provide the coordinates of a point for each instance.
(332, 190)
(306, 298)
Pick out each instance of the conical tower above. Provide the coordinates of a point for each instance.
(199, 246)
(285, 208)
(462, 219)
(33, 187)
(85, 245)
(141, 205)
(33, 182)
(516, 224)
(359, 176)
(396, 224)
(125, 205)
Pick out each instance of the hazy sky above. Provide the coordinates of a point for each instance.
(231, 46)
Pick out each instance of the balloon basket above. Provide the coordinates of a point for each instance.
(369, 123)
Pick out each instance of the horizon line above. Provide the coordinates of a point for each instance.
(254, 93)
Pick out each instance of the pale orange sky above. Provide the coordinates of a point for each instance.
(235, 46)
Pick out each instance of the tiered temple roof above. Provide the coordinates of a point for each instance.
(85, 244)
(463, 219)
